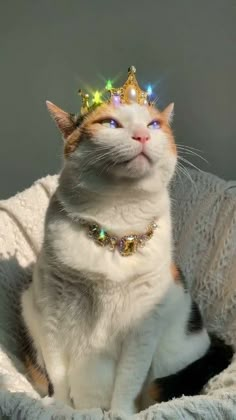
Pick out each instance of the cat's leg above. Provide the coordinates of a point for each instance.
(192, 379)
(184, 340)
(57, 369)
(47, 346)
(179, 344)
(91, 379)
(136, 357)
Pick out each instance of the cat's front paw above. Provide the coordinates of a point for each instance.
(52, 401)
(126, 408)
(47, 401)
(61, 395)
(60, 408)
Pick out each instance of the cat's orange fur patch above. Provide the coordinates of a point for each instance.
(104, 111)
(165, 126)
(36, 376)
(175, 273)
(154, 392)
(72, 142)
(138, 402)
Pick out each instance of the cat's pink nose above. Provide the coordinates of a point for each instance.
(141, 134)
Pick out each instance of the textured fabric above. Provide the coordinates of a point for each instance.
(204, 213)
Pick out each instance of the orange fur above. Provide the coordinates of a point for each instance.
(166, 128)
(102, 111)
(72, 142)
(138, 402)
(105, 111)
(37, 376)
(64, 121)
(154, 392)
(175, 273)
(163, 119)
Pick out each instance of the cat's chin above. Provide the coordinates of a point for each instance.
(139, 159)
(136, 167)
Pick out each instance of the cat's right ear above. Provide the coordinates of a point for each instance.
(168, 113)
(64, 121)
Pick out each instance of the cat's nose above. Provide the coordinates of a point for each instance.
(141, 134)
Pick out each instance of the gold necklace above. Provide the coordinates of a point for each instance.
(126, 245)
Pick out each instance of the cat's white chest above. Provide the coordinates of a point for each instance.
(75, 248)
(141, 280)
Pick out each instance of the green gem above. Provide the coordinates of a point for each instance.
(102, 237)
(109, 85)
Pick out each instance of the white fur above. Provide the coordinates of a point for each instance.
(108, 369)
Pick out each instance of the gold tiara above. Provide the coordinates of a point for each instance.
(129, 93)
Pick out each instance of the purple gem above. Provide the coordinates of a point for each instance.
(116, 99)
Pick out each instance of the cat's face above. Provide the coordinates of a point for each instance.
(125, 142)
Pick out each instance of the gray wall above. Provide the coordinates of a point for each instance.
(51, 47)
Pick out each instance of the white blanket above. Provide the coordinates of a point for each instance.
(204, 212)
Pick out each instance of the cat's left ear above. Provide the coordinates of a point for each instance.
(168, 113)
(64, 121)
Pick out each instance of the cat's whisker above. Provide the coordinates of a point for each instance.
(155, 100)
(112, 163)
(178, 173)
(189, 163)
(94, 160)
(185, 172)
(115, 156)
(188, 147)
(191, 152)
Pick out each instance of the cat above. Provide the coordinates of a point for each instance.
(104, 326)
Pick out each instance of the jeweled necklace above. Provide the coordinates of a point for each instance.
(126, 245)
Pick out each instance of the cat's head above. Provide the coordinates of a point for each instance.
(132, 143)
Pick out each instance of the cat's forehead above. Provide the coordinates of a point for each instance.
(136, 112)
(126, 113)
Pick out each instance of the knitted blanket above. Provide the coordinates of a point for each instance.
(204, 212)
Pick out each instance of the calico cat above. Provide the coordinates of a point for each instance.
(105, 324)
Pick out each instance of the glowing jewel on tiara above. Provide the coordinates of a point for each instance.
(85, 102)
(149, 90)
(109, 85)
(129, 93)
(97, 98)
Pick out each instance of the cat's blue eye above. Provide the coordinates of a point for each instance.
(110, 123)
(154, 125)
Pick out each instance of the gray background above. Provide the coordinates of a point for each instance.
(50, 48)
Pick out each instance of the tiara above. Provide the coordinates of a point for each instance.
(129, 93)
